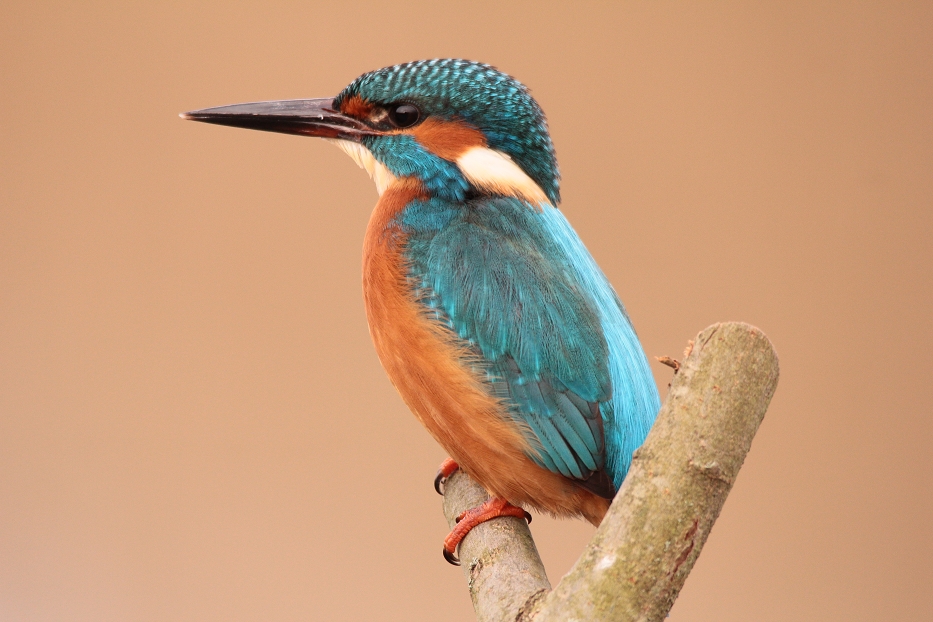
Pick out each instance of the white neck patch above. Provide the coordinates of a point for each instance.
(365, 159)
(495, 171)
(485, 168)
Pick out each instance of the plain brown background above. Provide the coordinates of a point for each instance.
(194, 425)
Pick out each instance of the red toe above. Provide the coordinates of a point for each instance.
(494, 508)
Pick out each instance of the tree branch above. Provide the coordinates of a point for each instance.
(499, 557)
(640, 556)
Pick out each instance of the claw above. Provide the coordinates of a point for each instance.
(439, 481)
(468, 519)
(448, 467)
(451, 558)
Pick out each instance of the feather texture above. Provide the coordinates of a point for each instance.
(551, 336)
(444, 379)
(365, 160)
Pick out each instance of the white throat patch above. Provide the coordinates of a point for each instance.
(365, 159)
(495, 171)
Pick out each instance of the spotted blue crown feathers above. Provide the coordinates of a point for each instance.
(494, 102)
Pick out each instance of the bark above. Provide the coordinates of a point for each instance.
(641, 554)
(498, 557)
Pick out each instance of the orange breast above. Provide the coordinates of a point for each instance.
(429, 365)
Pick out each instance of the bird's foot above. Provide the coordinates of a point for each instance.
(447, 469)
(494, 508)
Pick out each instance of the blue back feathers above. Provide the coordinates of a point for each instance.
(548, 330)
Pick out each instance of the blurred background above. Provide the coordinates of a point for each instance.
(193, 422)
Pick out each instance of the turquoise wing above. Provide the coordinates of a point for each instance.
(554, 342)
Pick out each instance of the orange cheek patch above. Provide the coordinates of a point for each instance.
(448, 139)
(356, 106)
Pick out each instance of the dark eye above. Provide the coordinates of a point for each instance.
(404, 115)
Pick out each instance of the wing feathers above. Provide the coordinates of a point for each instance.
(496, 275)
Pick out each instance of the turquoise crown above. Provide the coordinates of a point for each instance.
(497, 104)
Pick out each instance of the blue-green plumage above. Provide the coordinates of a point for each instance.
(551, 334)
(404, 157)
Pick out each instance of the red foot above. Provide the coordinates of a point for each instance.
(447, 469)
(493, 508)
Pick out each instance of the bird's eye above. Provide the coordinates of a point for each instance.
(404, 115)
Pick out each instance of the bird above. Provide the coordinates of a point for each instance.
(489, 315)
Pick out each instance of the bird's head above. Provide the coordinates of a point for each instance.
(460, 127)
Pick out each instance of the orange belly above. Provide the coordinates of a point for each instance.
(429, 365)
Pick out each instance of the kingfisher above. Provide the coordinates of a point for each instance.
(489, 315)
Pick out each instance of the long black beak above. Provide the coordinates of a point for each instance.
(306, 117)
